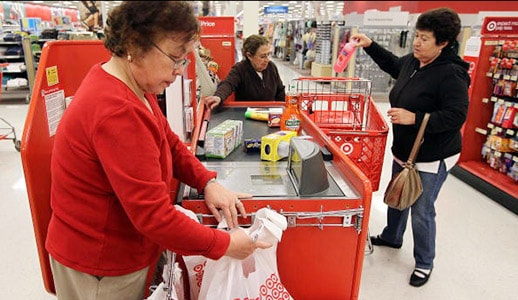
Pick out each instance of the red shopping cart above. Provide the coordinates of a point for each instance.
(344, 110)
(7, 131)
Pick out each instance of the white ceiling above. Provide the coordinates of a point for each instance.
(295, 10)
(70, 4)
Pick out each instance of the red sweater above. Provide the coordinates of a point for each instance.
(112, 166)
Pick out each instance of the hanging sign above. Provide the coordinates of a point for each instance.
(500, 25)
(385, 18)
(215, 26)
(276, 9)
(471, 55)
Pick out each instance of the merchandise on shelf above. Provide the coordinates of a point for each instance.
(398, 40)
(500, 150)
(291, 118)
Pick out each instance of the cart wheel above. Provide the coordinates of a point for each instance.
(17, 145)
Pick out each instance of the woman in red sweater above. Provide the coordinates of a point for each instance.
(115, 156)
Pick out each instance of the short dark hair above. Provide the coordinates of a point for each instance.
(254, 42)
(444, 22)
(135, 24)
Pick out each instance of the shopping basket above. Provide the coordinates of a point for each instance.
(344, 110)
(7, 131)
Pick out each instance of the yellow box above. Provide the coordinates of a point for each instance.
(275, 146)
(320, 70)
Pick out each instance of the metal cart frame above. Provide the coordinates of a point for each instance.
(344, 110)
(9, 133)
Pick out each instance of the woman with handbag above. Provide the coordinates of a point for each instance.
(433, 79)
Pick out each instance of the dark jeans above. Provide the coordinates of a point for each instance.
(423, 218)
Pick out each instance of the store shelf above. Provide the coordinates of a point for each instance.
(10, 56)
(480, 164)
(495, 185)
(13, 72)
(27, 59)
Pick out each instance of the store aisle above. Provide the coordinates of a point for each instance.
(476, 242)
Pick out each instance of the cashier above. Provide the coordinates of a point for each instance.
(255, 78)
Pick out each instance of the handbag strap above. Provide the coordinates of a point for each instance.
(418, 140)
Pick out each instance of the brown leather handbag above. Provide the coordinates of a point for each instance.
(405, 187)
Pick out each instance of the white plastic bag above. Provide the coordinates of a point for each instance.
(160, 293)
(195, 264)
(257, 276)
(170, 288)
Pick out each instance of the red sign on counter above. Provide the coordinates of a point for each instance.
(500, 25)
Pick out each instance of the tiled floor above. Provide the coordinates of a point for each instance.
(477, 239)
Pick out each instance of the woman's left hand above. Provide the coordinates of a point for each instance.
(401, 116)
(212, 101)
(219, 197)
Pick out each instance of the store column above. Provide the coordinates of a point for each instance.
(231, 9)
(250, 18)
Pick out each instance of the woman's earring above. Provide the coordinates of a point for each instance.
(129, 58)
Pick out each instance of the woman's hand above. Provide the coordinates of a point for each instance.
(241, 245)
(212, 101)
(219, 197)
(361, 40)
(401, 116)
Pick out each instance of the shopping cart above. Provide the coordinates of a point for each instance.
(8, 132)
(344, 110)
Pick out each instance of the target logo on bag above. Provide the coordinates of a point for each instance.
(198, 271)
(273, 289)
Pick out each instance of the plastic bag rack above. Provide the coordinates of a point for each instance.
(319, 219)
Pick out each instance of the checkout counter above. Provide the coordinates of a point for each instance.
(321, 253)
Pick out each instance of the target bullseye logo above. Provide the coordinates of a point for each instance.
(471, 67)
(347, 148)
(491, 26)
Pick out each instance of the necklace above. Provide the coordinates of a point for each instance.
(120, 69)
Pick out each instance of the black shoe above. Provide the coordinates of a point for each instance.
(416, 280)
(377, 241)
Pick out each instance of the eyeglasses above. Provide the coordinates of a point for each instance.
(265, 56)
(177, 64)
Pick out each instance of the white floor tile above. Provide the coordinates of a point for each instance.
(477, 242)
